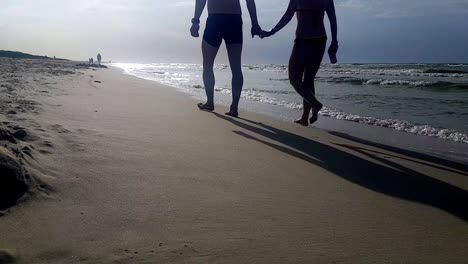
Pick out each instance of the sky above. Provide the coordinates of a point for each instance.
(370, 31)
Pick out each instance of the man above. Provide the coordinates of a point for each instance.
(224, 22)
(99, 58)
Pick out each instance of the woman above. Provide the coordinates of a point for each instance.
(309, 47)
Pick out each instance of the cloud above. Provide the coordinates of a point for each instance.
(404, 8)
(182, 4)
(153, 30)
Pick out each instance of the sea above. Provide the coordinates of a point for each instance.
(420, 107)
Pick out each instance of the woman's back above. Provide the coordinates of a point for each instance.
(310, 15)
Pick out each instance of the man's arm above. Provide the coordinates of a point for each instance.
(199, 6)
(288, 15)
(253, 13)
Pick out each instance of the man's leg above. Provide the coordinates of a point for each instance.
(209, 55)
(235, 61)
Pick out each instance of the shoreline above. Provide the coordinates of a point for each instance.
(428, 144)
(136, 174)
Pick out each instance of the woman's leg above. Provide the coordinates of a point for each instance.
(316, 50)
(297, 66)
(306, 107)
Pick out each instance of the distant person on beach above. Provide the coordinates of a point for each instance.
(224, 22)
(309, 48)
(99, 58)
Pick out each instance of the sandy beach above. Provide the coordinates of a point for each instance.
(101, 167)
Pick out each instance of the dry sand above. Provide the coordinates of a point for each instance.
(122, 170)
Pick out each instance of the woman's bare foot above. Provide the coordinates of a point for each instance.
(315, 112)
(302, 122)
(233, 114)
(206, 107)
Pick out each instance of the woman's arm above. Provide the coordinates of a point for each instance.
(288, 15)
(333, 24)
(334, 30)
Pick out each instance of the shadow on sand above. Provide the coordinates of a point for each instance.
(424, 159)
(393, 179)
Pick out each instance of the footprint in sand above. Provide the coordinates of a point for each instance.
(59, 129)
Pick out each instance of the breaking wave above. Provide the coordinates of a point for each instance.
(385, 82)
(400, 125)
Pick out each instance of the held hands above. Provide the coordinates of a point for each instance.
(266, 34)
(258, 31)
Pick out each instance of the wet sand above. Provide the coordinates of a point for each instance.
(123, 170)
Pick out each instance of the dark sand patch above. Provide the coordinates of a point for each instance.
(12, 179)
(6, 257)
(21, 134)
(88, 66)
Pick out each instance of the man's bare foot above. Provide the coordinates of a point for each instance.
(206, 107)
(302, 122)
(315, 112)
